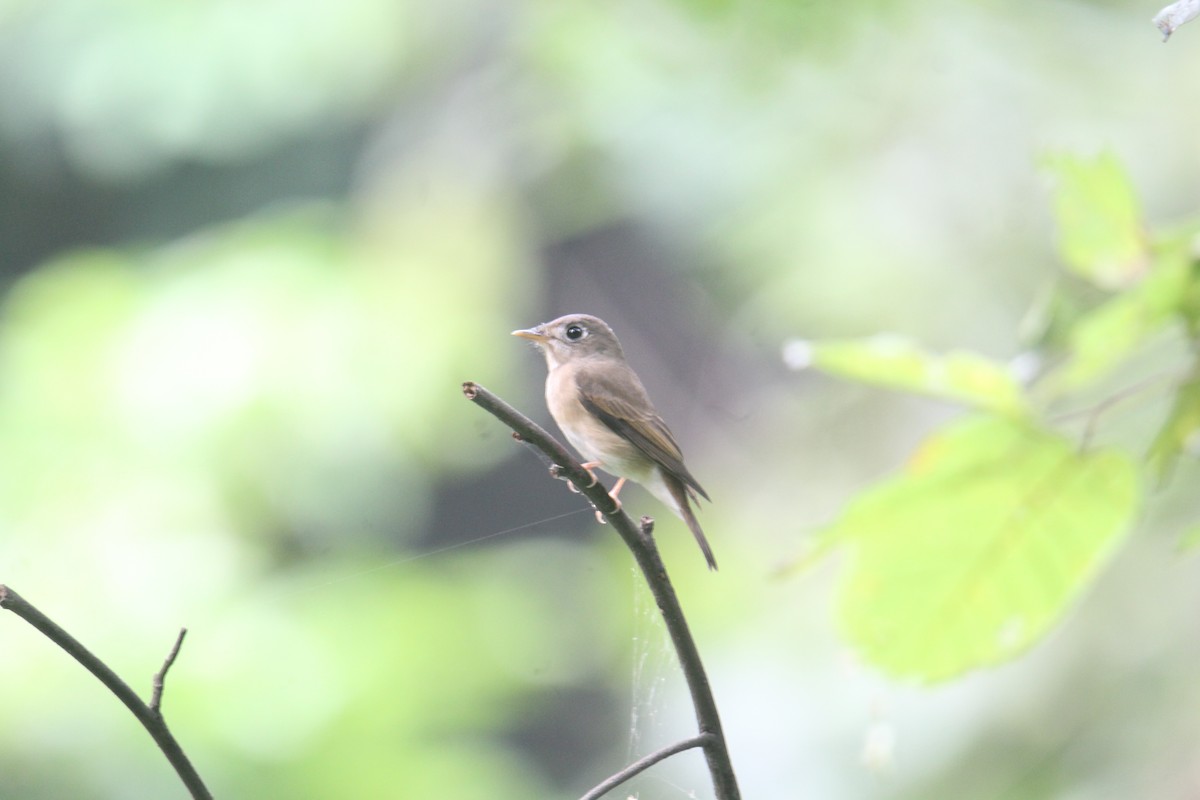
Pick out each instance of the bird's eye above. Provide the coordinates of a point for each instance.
(575, 332)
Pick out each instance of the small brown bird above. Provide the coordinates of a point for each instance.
(600, 404)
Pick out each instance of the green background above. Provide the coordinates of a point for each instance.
(251, 249)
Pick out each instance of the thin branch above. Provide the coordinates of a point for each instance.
(148, 715)
(643, 764)
(161, 676)
(1093, 412)
(641, 543)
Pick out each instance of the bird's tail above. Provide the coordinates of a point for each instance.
(679, 492)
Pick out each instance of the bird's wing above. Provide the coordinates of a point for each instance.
(628, 413)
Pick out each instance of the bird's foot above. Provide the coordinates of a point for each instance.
(557, 471)
(589, 466)
(600, 515)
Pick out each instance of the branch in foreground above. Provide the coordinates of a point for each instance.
(641, 543)
(149, 715)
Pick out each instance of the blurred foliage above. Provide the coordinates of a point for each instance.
(260, 357)
(1102, 237)
(964, 377)
(130, 85)
(1178, 433)
(996, 526)
(970, 556)
(177, 422)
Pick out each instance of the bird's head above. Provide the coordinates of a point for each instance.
(572, 337)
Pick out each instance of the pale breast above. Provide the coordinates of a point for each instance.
(594, 440)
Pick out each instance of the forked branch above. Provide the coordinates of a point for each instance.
(149, 714)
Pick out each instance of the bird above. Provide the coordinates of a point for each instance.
(602, 407)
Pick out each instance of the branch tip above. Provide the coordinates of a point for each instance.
(470, 389)
(161, 676)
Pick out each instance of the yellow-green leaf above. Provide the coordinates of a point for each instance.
(1103, 338)
(978, 548)
(1102, 238)
(1181, 425)
(898, 363)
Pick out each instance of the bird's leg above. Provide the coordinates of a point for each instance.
(589, 466)
(616, 490)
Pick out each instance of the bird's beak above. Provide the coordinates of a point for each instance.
(533, 334)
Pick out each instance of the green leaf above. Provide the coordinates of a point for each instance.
(1102, 238)
(1104, 337)
(978, 548)
(897, 363)
(1181, 426)
(1189, 304)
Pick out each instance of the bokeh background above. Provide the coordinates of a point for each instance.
(251, 249)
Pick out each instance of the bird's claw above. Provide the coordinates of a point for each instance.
(588, 466)
(556, 472)
(601, 517)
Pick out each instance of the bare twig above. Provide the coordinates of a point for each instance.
(643, 764)
(641, 543)
(160, 676)
(1174, 15)
(148, 715)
